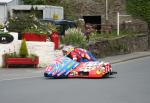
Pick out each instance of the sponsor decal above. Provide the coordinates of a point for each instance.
(101, 70)
(73, 73)
(6, 38)
(61, 72)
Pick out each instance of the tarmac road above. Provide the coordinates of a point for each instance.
(130, 85)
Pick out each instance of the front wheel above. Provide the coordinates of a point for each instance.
(110, 73)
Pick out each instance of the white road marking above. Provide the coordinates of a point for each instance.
(19, 78)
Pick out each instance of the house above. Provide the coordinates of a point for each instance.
(4, 8)
(11, 7)
(47, 11)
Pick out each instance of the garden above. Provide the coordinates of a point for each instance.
(107, 44)
(21, 59)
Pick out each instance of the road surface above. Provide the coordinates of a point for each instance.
(130, 85)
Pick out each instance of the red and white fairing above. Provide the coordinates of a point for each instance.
(91, 70)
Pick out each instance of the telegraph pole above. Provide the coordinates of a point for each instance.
(106, 10)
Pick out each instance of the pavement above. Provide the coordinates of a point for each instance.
(125, 57)
(19, 73)
(117, 58)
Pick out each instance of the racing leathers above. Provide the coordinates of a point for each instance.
(81, 55)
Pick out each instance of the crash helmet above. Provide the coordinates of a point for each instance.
(67, 49)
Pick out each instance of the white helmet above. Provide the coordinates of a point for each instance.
(67, 49)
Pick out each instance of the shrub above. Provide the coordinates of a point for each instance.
(1, 26)
(23, 52)
(36, 29)
(52, 27)
(26, 22)
(74, 37)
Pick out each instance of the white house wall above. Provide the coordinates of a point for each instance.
(50, 11)
(45, 50)
(3, 13)
(4, 10)
(14, 2)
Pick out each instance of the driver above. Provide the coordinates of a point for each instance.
(78, 54)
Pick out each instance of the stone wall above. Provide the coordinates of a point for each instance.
(121, 45)
(81, 8)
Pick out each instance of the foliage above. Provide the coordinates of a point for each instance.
(115, 46)
(113, 35)
(22, 21)
(41, 2)
(34, 2)
(74, 37)
(140, 9)
(67, 5)
(15, 55)
(1, 26)
(69, 9)
(23, 52)
(53, 2)
(42, 29)
(52, 27)
(12, 55)
(36, 12)
(27, 23)
(33, 56)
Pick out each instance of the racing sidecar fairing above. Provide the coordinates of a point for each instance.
(65, 67)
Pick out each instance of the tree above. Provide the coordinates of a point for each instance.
(141, 10)
(41, 2)
(34, 2)
(53, 2)
(23, 52)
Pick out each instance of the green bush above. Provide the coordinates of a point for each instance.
(1, 26)
(26, 23)
(113, 35)
(36, 30)
(12, 55)
(23, 52)
(74, 37)
(20, 22)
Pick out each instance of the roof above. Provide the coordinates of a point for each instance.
(5, 1)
